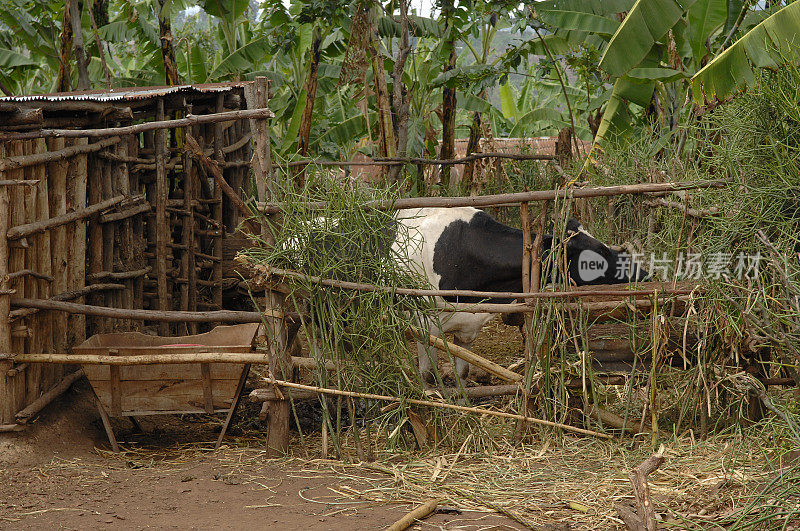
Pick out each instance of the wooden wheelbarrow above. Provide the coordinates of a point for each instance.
(168, 388)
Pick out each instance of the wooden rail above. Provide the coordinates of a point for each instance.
(508, 199)
(140, 128)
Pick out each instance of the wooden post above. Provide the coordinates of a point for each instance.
(277, 410)
(194, 192)
(187, 233)
(162, 230)
(137, 223)
(109, 247)
(6, 391)
(31, 379)
(216, 277)
(43, 331)
(76, 234)
(61, 250)
(94, 259)
(123, 228)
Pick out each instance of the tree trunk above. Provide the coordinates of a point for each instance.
(387, 145)
(80, 49)
(304, 135)
(448, 100)
(99, 44)
(400, 96)
(171, 76)
(472, 145)
(63, 82)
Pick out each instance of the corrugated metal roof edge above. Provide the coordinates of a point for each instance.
(127, 93)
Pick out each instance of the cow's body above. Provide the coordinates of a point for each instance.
(465, 248)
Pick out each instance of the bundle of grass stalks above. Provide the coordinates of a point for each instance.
(362, 333)
(740, 243)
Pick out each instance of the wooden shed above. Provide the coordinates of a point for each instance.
(118, 198)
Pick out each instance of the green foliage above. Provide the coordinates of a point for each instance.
(647, 22)
(770, 43)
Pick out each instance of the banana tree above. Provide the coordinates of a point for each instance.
(655, 48)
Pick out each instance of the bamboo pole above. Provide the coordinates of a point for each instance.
(44, 157)
(428, 403)
(512, 198)
(140, 128)
(24, 230)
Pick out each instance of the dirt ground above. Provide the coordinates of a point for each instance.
(59, 474)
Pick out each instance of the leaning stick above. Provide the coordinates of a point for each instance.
(42, 402)
(21, 231)
(466, 355)
(428, 403)
(418, 513)
(22, 161)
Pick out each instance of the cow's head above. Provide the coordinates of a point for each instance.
(593, 262)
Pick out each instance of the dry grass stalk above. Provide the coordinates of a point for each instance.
(428, 403)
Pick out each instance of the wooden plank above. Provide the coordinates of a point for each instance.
(208, 392)
(174, 395)
(175, 371)
(160, 349)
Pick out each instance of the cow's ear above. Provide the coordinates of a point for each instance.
(573, 225)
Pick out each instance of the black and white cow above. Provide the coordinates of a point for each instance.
(465, 248)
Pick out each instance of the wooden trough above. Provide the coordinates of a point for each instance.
(168, 388)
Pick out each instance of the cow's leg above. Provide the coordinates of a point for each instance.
(428, 357)
(466, 341)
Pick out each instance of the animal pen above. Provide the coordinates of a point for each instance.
(115, 206)
(119, 209)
